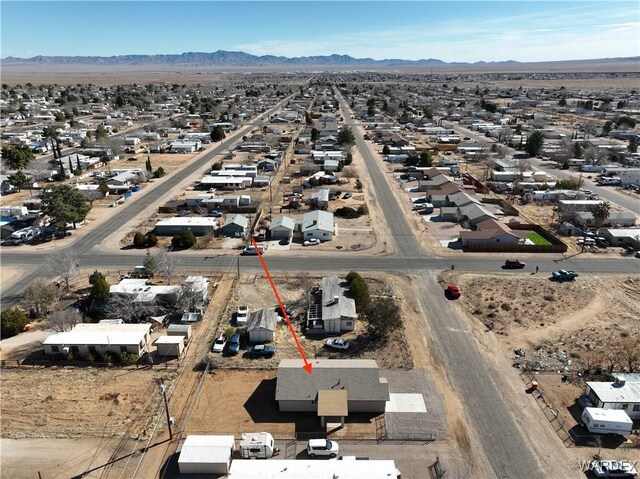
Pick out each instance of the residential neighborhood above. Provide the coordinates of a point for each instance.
(236, 265)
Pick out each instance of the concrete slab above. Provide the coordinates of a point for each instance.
(405, 402)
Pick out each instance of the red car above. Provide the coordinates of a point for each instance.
(452, 291)
(514, 264)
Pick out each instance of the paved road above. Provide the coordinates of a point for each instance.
(490, 416)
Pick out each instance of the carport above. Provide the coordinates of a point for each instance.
(333, 405)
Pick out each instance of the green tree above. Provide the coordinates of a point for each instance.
(577, 150)
(383, 316)
(307, 118)
(217, 134)
(314, 134)
(159, 173)
(149, 263)
(95, 277)
(600, 213)
(425, 159)
(188, 239)
(626, 121)
(386, 150)
(52, 134)
(359, 290)
(633, 146)
(152, 240)
(346, 136)
(567, 185)
(65, 204)
(534, 144)
(13, 320)
(17, 157)
(100, 133)
(19, 180)
(100, 291)
(139, 240)
(562, 102)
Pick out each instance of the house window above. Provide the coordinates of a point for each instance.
(625, 406)
(349, 324)
(636, 407)
(55, 349)
(498, 240)
(324, 234)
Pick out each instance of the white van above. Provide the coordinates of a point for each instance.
(250, 250)
(322, 447)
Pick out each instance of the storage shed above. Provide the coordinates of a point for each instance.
(262, 326)
(206, 454)
(180, 330)
(170, 346)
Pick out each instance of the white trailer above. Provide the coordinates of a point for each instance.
(607, 421)
(259, 445)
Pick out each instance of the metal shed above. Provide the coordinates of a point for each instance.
(206, 454)
(180, 330)
(170, 346)
(262, 326)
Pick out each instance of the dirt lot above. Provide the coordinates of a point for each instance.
(79, 402)
(256, 293)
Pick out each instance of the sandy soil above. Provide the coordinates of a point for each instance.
(8, 275)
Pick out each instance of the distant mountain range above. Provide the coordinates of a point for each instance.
(242, 59)
(226, 58)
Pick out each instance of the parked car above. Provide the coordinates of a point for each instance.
(311, 242)
(514, 264)
(564, 275)
(241, 314)
(219, 344)
(337, 343)
(452, 291)
(233, 346)
(288, 310)
(347, 195)
(214, 214)
(322, 447)
(284, 241)
(261, 350)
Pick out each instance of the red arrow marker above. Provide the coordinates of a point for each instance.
(307, 365)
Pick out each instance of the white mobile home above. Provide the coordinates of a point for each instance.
(87, 338)
(206, 454)
(607, 421)
(623, 394)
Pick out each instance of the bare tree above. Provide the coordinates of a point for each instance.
(594, 154)
(62, 320)
(506, 133)
(167, 264)
(129, 308)
(589, 129)
(39, 296)
(629, 352)
(349, 172)
(189, 298)
(64, 265)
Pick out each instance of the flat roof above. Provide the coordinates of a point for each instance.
(332, 403)
(608, 391)
(206, 449)
(183, 221)
(170, 340)
(312, 469)
(100, 334)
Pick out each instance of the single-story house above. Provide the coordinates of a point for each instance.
(578, 205)
(622, 236)
(100, 338)
(331, 310)
(178, 224)
(318, 224)
(170, 346)
(268, 165)
(436, 181)
(282, 227)
(337, 387)
(330, 165)
(474, 214)
(207, 455)
(262, 326)
(124, 179)
(489, 232)
(622, 393)
(235, 226)
(321, 198)
(460, 198)
(616, 219)
(226, 182)
(437, 196)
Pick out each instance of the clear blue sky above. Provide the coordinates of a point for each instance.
(451, 30)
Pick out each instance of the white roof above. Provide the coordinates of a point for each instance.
(623, 232)
(170, 340)
(100, 334)
(312, 469)
(223, 180)
(183, 221)
(608, 392)
(317, 220)
(206, 449)
(600, 414)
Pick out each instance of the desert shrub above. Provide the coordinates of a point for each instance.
(152, 240)
(346, 212)
(139, 240)
(505, 306)
(13, 321)
(362, 210)
(128, 358)
(159, 173)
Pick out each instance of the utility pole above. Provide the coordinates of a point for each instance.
(238, 263)
(163, 391)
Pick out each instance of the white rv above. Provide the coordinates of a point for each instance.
(607, 421)
(259, 445)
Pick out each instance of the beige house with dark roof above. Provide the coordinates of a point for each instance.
(490, 232)
(336, 388)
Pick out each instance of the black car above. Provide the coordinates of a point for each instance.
(261, 350)
(284, 241)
